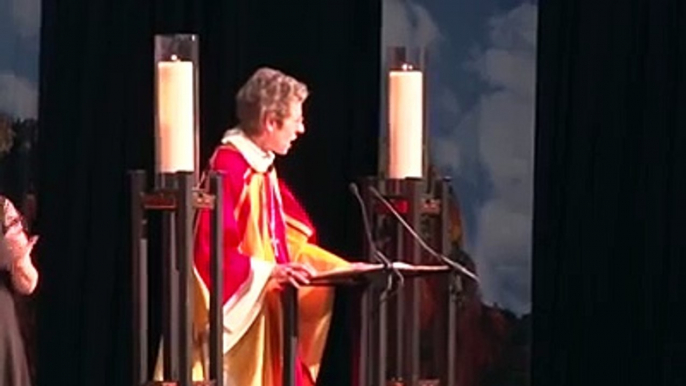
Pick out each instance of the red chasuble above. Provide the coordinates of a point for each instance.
(264, 225)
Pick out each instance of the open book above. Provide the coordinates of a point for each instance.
(360, 272)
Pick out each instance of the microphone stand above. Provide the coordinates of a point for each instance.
(389, 268)
(444, 259)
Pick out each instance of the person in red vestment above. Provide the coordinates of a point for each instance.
(269, 242)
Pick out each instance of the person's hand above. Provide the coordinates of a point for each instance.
(23, 247)
(23, 272)
(18, 244)
(295, 274)
(17, 240)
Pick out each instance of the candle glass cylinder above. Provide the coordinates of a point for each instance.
(176, 104)
(402, 57)
(406, 118)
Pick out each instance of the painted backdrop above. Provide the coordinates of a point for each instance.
(19, 49)
(481, 89)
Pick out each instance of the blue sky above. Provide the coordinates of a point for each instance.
(481, 82)
(19, 48)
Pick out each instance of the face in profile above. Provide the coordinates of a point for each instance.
(281, 133)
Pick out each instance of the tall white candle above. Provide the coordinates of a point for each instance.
(406, 122)
(175, 114)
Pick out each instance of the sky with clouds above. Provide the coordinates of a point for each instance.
(481, 93)
(19, 48)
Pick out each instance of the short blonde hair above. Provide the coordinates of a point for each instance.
(267, 91)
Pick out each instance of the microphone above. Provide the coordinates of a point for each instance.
(378, 255)
(427, 248)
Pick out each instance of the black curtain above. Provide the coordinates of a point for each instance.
(96, 122)
(610, 183)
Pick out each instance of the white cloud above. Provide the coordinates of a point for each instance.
(515, 29)
(505, 127)
(496, 136)
(27, 17)
(508, 68)
(491, 144)
(18, 96)
(426, 29)
(407, 24)
(503, 252)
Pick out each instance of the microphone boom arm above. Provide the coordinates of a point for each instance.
(376, 254)
(444, 259)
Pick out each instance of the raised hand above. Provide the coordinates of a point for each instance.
(23, 272)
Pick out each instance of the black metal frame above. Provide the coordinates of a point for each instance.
(426, 200)
(177, 198)
(396, 327)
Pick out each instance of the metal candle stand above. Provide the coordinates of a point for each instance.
(392, 340)
(176, 197)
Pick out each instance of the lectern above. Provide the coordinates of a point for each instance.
(407, 330)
